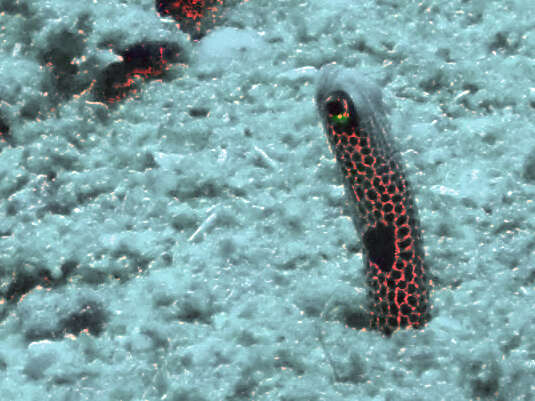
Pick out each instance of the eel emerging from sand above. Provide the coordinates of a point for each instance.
(352, 112)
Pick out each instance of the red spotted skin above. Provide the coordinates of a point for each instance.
(383, 211)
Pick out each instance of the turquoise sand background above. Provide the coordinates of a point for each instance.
(192, 243)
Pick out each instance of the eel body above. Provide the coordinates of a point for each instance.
(383, 212)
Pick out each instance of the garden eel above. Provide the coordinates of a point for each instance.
(383, 212)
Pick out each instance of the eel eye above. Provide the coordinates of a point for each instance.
(337, 111)
(340, 119)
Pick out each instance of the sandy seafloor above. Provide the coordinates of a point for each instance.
(192, 242)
